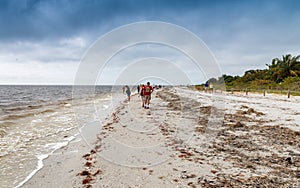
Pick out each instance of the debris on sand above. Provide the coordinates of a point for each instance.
(249, 149)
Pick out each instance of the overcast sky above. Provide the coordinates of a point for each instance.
(43, 41)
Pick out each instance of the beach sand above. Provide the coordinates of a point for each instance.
(186, 139)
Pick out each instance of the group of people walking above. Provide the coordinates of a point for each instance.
(144, 92)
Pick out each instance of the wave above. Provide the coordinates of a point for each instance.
(39, 166)
(2, 133)
(10, 117)
(42, 157)
(21, 111)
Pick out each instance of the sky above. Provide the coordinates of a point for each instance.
(47, 41)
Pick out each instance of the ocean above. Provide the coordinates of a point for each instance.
(37, 120)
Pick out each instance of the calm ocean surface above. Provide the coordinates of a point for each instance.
(37, 120)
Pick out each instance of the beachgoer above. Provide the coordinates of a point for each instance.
(147, 94)
(211, 87)
(138, 88)
(142, 90)
(128, 92)
(206, 87)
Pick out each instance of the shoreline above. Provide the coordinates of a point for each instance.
(250, 131)
(60, 154)
(41, 158)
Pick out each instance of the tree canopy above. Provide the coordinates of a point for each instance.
(282, 73)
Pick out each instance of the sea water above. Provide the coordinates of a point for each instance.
(37, 120)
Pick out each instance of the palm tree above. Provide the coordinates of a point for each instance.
(285, 67)
(295, 65)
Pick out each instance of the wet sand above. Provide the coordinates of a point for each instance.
(186, 139)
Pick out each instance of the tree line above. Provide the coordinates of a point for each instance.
(282, 73)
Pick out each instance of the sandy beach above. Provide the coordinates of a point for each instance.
(186, 139)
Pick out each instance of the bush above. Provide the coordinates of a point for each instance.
(292, 83)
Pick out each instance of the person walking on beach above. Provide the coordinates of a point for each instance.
(128, 92)
(206, 87)
(147, 93)
(211, 87)
(142, 90)
(138, 88)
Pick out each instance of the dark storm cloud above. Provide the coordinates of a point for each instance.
(243, 34)
(38, 19)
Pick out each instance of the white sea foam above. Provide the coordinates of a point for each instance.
(40, 164)
(36, 120)
(105, 98)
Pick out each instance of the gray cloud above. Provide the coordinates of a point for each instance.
(38, 19)
(241, 34)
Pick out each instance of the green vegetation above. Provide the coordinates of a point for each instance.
(282, 74)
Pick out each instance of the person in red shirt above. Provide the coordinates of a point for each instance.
(147, 94)
(142, 90)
